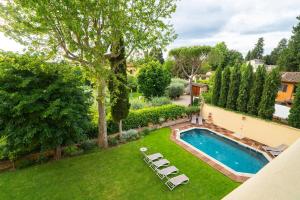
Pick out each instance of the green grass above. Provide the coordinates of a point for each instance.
(135, 95)
(116, 173)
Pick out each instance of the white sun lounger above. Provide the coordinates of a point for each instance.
(200, 120)
(194, 119)
(153, 157)
(159, 163)
(275, 153)
(177, 180)
(279, 148)
(165, 172)
(150, 158)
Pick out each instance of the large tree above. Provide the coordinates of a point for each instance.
(153, 79)
(119, 95)
(43, 105)
(245, 87)
(275, 54)
(257, 89)
(258, 51)
(290, 57)
(267, 104)
(218, 56)
(224, 87)
(234, 85)
(189, 61)
(294, 116)
(85, 32)
(217, 86)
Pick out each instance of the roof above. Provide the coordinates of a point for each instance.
(199, 84)
(293, 77)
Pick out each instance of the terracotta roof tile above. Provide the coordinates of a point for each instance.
(293, 77)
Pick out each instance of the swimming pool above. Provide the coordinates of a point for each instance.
(233, 155)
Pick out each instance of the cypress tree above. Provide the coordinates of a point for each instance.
(257, 89)
(224, 87)
(267, 103)
(294, 116)
(217, 86)
(117, 85)
(244, 90)
(233, 88)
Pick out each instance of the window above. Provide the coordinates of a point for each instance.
(283, 88)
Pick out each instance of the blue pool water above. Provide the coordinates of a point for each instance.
(228, 152)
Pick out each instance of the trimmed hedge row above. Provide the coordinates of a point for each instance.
(154, 115)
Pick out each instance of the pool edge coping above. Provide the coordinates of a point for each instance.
(234, 175)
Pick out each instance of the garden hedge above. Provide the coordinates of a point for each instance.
(154, 115)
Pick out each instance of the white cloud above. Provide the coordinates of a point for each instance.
(7, 44)
(238, 23)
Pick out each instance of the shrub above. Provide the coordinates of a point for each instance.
(217, 86)
(159, 101)
(145, 131)
(175, 90)
(145, 116)
(72, 150)
(20, 164)
(43, 105)
(153, 79)
(245, 88)
(192, 110)
(113, 141)
(129, 135)
(294, 116)
(267, 104)
(207, 96)
(196, 102)
(137, 104)
(88, 145)
(184, 82)
(132, 83)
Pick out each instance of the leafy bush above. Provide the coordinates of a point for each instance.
(129, 135)
(192, 110)
(132, 83)
(145, 116)
(20, 164)
(153, 79)
(196, 102)
(175, 90)
(43, 105)
(138, 104)
(88, 145)
(72, 150)
(181, 81)
(159, 101)
(113, 141)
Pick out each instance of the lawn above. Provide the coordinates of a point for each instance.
(116, 173)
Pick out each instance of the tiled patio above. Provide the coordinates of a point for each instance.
(220, 130)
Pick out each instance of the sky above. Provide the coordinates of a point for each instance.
(239, 23)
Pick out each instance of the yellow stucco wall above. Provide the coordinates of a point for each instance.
(287, 95)
(269, 133)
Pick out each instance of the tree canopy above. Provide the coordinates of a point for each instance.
(43, 105)
(86, 31)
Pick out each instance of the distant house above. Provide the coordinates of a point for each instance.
(255, 63)
(287, 89)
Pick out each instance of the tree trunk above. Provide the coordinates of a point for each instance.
(120, 128)
(57, 155)
(191, 90)
(102, 130)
